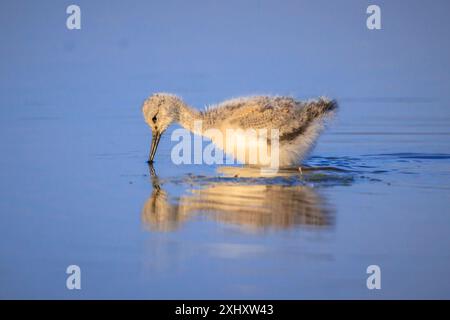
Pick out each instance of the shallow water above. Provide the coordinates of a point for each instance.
(76, 188)
(198, 231)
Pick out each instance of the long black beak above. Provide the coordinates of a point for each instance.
(155, 141)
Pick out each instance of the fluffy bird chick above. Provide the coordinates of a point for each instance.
(299, 123)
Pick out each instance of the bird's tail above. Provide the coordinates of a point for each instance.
(311, 118)
(317, 109)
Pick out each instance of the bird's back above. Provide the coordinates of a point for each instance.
(298, 123)
(283, 113)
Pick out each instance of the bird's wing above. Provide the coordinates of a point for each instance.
(292, 118)
(265, 113)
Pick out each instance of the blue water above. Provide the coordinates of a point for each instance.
(75, 187)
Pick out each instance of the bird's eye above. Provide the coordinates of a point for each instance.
(154, 119)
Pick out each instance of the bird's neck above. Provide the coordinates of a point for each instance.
(187, 116)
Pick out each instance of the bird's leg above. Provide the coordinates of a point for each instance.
(300, 170)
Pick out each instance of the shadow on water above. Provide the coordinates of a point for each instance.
(240, 197)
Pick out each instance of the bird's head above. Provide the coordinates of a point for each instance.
(160, 110)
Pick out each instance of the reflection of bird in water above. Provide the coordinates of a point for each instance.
(256, 206)
(299, 124)
(158, 212)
